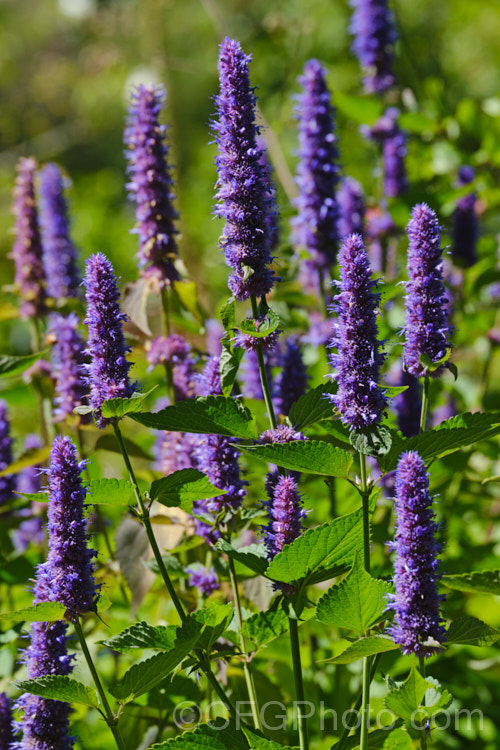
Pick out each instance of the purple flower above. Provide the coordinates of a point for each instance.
(291, 382)
(251, 343)
(281, 435)
(68, 573)
(27, 249)
(285, 514)
(214, 333)
(6, 723)
(358, 359)
(407, 405)
(150, 185)
(108, 370)
(244, 192)
(272, 216)
(7, 483)
(249, 376)
(68, 365)
(205, 580)
(59, 253)
(174, 451)
(319, 332)
(465, 225)
(387, 132)
(218, 458)
(176, 351)
(31, 530)
(372, 25)
(315, 227)
(426, 330)
(379, 228)
(417, 622)
(351, 208)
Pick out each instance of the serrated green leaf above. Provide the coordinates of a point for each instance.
(263, 627)
(253, 556)
(394, 390)
(207, 737)
(256, 742)
(406, 699)
(398, 739)
(449, 436)
(357, 602)
(308, 456)
(479, 581)
(212, 415)
(320, 553)
(10, 366)
(436, 698)
(43, 612)
(143, 635)
(34, 497)
(110, 443)
(60, 688)
(110, 492)
(215, 619)
(119, 407)
(313, 406)
(472, 632)
(262, 327)
(227, 314)
(183, 488)
(374, 441)
(373, 644)
(34, 457)
(229, 363)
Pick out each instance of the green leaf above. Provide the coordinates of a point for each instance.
(110, 492)
(477, 582)
(373, 644)
(215, 618)
(119, 407)
(357, 602)
(183, 488)
(449, 436)
(394, 390)
(187, 295)
(472, 632)
(313, 406)
(34, 497)
(207, 737)
(407, 698)
(227, 314)
(364, 110)
(263, 627)
(229, 363)
(398, 739)
(308, 456)
(143, 635)
(256, 742)
(34, 457)
(16, 365)
(60, 688)
(264, 326)
(109, 443)
(212, 415)
(320, 553)
(374, 441)
(253, 556)
(43, 612)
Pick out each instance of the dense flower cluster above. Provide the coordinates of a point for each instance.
(205, 580)
(315, 227)
(387, 132)
(6, 722)
(291, 382)
(351, 207)
(372, 25)
(281, 435)
(108, 369)
(27, 248)
(285, 514)
(150, 185)
(59, 253)
(417, 622)
(68, 365)
(358, 359)
(244, 193)
(426, 329)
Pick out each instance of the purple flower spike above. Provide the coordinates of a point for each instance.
(7, 483)
(291, 382)
(426, 330)
(372, 25)
(315, 227)
(358, 359)
(59, 253)
(29, 481)
(351, 206)
(205, 580)
(6, 723)
(387, 132)
(150, 185)
(176, 351)
(244, 191)
(285, 514)
(108, 370)
(417, 622)
(281, 435)
(465, 225)
(27, 249)
(68, 365)
(68, 572)
(407, 405)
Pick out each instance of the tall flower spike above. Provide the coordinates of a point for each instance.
(291, 382)
(372, 25)
(285, 514)
(68, 365)
(68, 572)
(244, 193)
(358, 359)
(6, 723)
(27, 249)
(29, 482)
(387, 132)
(108, 369)
(417, 623)
(59, 253)
(351, 206)
(7, 483)
(426, 329)
(176, 351)
(465, 225)
(151, 186)
(315, 227)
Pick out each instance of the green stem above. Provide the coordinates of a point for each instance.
(168, 330)
(111, 720)
(252, 694)
(423, 736)
(365, 703)
(425, 403)
(365, 699)
(263, 374)
(345, 732)
(299, 687)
